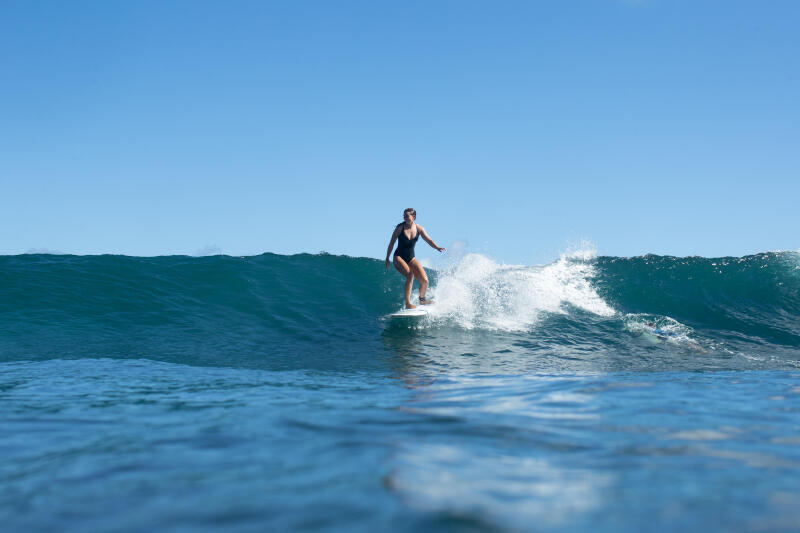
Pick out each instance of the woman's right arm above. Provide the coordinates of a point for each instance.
(395, 233)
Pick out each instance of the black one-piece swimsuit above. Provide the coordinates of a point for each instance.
(405, 246)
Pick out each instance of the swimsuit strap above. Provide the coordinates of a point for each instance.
(403, 231)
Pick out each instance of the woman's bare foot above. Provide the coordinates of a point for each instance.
(410, 306)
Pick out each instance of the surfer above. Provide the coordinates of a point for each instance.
(407, 233)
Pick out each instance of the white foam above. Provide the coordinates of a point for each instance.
(480, 293)
(670, 330)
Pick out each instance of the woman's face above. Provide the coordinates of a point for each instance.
(408, 218)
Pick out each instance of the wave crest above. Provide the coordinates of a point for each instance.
(477, 292)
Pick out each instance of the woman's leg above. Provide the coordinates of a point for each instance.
(405, 270)
(420, 274)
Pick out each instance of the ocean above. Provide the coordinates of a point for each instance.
(272, 393)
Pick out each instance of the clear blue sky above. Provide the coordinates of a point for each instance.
(519, 127)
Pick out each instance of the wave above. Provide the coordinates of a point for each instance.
(756, 296)
(239, 310)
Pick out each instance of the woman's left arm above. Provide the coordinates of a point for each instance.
(428, 239)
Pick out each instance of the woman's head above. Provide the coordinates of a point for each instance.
(411, 212)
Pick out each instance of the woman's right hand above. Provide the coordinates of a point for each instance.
(387, 264)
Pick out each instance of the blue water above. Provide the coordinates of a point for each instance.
(270, 393)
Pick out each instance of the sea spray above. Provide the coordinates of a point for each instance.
(480, 293)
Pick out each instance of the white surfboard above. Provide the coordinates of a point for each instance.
(409, 313)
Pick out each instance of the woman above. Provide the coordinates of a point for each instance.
(404, 261)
